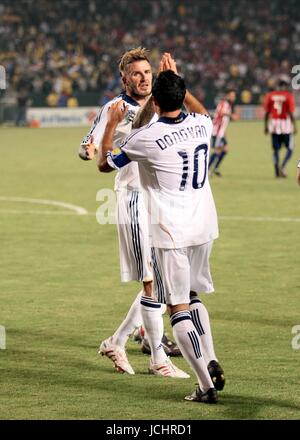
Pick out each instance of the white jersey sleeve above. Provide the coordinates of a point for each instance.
(97, 130)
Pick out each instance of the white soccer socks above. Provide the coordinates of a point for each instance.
(154, 328)
(200, 319)
(188, 340)
(131, 322)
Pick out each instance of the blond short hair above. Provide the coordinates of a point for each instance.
(138, 54)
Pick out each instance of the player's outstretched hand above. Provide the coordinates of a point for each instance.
(87, 150)
(117, 112)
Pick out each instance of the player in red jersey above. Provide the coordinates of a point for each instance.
(279, 106)
(223, 114)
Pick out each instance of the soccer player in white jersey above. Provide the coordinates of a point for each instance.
(172, 155)
(134, 247)
(223, 114)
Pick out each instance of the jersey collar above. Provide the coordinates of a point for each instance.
(181, 117)
(129, 100)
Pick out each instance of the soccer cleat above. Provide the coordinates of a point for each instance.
(282, 173)
(117, 355)
(216, 373)
(217, 173)
(209, 396)
(170, 347)
(167, 369)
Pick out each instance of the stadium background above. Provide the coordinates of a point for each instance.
(57, 268)
(65, 53)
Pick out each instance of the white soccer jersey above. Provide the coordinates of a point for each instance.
(128, 176)
(221, 120)
(173, 163)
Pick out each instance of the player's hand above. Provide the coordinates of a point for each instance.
(167, 63)
(295, 129)
(87, 150)
(266, 130)
(117, 112)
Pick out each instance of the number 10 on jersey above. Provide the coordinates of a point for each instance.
(199, 152)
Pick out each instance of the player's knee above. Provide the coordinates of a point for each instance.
(178, 308)
(148, 288)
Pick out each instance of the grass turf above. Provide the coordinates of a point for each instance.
(60, 292)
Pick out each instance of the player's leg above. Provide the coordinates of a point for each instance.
(276, 144)
(151, 316)
(201, 281)
(151, 303)
(221, 156)
(132, 321)
(153, 324)
(169, 346)
(114, 346)
(130, 253)
(189, 342)
(176, 283)
(214, 153)
(200, 318)
(288, 142)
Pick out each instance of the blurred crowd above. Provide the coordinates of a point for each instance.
(66, 52)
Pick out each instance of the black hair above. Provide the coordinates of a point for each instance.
(283, 83)
(229, 90)
(169, 91)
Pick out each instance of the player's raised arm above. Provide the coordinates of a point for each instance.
(193, 105)
(115, 115)
(190, 102)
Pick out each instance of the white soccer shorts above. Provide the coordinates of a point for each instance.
(133, 232)
(179, 271)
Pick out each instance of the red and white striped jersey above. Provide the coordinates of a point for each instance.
(221, 118)
(279, 104)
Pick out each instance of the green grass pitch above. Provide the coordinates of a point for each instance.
(60, 291)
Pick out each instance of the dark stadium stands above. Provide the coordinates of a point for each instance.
(69, 48)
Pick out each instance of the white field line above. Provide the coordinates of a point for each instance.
(77, 209)
(38, 212)
(87, 213)
(261, 219)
